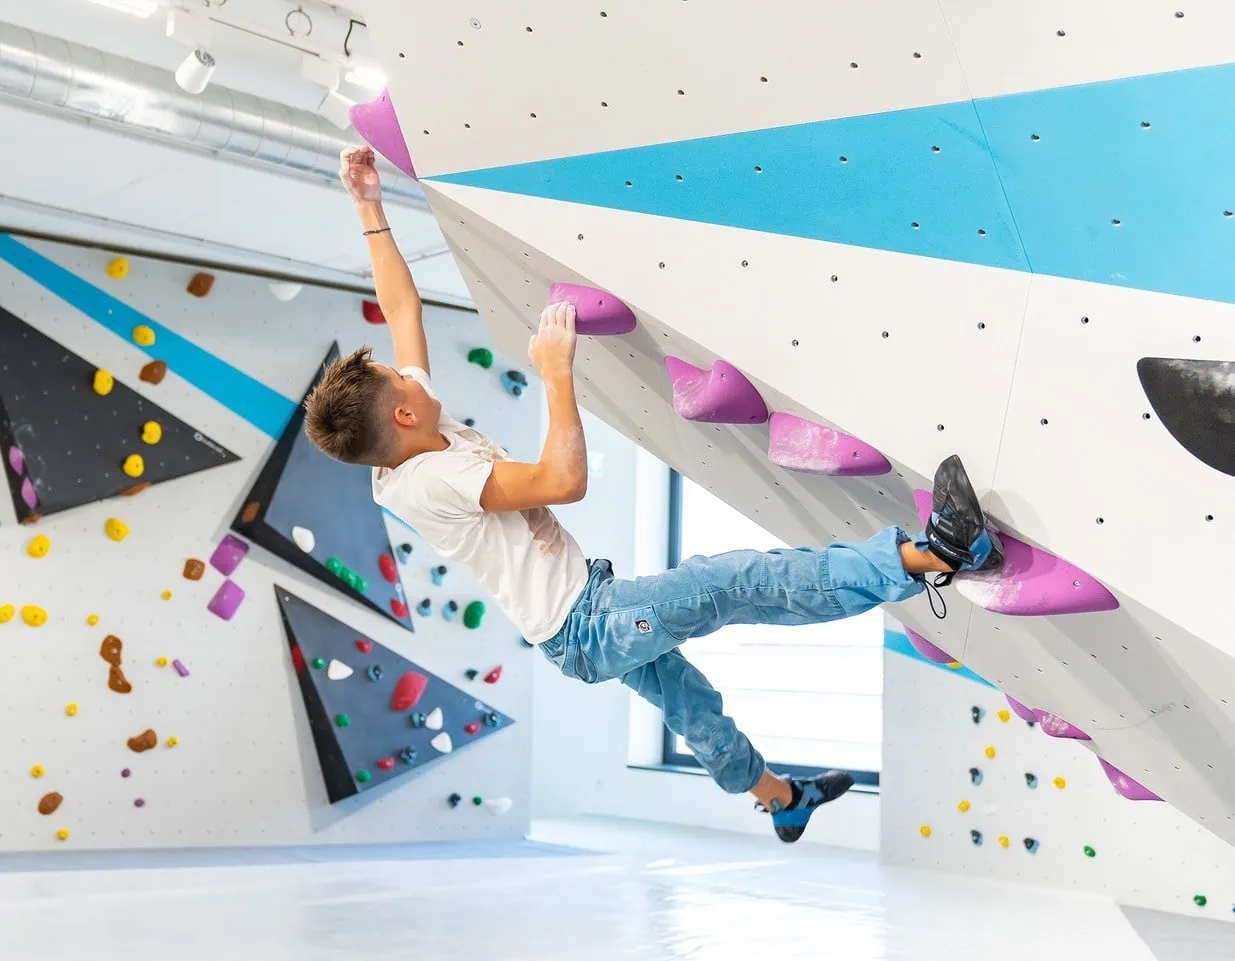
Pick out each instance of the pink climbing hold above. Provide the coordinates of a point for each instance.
(597, 312)
(378, 126)
(795, 443)
(17, 460)
(28, 496)
(1056, 726)
(721, 395)
(927, 649)
(1125, 786)
(408, 691)
(1031, 583)
(228, 555)
(226, 600)
(1021, 711)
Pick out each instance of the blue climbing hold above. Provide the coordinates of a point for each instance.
(491, 719)
(1031, 780)
(407, 756)
(375, 672)
(515, 383)
(417, 719)
(975, 775)
(449, 610)
(403, 552)
(976, 837)
(1031, 845)
(438, 574)
(425, 607)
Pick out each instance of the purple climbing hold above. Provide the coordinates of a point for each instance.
(795, 443)
(927, 649)
(1032, 582)
(597, 312)
(1125, 786)
(1056, 726)
(378, 125)
(180, 668)
(226, 600)
(1021, 711)
(28, 495)
(17, 460)
(721, 395)
(228, 555)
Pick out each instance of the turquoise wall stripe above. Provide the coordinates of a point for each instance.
(262, 406)
(1045, 204)
(898, 643)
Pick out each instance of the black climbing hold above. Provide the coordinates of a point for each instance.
(469, 422)
(454, 800)
(976, 837)
(472, 673)
(975, 775)
(977, 714)
(1195, 400)
(1031, 845)
(1031, 780)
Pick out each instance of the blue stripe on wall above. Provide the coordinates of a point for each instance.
(1046, 205)
(898, 643)
(262, 406)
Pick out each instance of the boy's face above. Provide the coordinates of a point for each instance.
(414, 409)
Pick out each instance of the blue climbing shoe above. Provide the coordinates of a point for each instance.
(957, 531)
(808, 794)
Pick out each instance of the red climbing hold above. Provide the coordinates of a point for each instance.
(298, 659)
(364, 646)
(386, 563)
(372, 312)
(397, 607)
(472, 727)
(386, 763)
(494, 675)
(407, 692)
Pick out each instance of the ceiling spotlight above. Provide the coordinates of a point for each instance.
(336, 108)
(138, 8)
(368, 77)
(194, 74)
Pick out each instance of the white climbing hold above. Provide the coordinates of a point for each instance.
(285, 290)
(338, 671)
(304, 538)
(434, 721)
(990, 809)
(497, 806)
(442, 744)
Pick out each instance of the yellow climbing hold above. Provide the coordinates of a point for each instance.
(62, 834)
(1060, 783)
(6, 613)
(71, 710)
(990, 751)
(34, 615)
(117, 530)
(166, 595)
(1004, 716)
(955, 665)
(143, 336)
(161, 662)
(152, 433)
(172, 741)
(103, 382)
(118, 269)
(925, 830)
(134, 466)
(39, 546)
(92, 619)
(963, 807)
(37, 771)
(1003, 840)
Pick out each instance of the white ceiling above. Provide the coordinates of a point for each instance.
(103, 186)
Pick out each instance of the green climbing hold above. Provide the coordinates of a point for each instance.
(342, 720)
(1200, 900)
(478, 800)
(363, 776)
(473, 614)
(481, 356)
(1089, 852)
(334, 565)
(319, 662)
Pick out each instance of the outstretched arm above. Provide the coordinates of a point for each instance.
(396, 291)
(560, 476)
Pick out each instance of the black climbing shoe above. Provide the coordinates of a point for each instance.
(808, 795)
(957, 531)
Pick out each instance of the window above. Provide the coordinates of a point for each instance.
(810, 698)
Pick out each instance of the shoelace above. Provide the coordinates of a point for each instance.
(941, 580)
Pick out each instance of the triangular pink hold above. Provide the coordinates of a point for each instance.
(1125, 786)
(378, 125)
(928, 650)
(1021, 711)
(1056, 726)
(1031, 583)
(795, 443)
(597, 312)
(17, 460)
(721, 395)
(28, 495)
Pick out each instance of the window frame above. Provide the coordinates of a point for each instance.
(670, 756)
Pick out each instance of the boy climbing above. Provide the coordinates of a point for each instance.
(479, 507)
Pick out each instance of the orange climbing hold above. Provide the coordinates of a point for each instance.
(201, 284)
(194, 569)
(154, 372)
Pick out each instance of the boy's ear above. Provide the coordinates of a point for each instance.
(405, 416)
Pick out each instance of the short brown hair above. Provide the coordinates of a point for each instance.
(347, 415)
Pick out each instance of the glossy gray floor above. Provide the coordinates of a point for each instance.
(658, 894)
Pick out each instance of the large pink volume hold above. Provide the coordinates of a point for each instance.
(721, 395)
(795, 443)
(1031, 583)
(379, 127)
(928, 650)
(1021, 711)
(1056, 726)
(1125, 786)
(597, 312)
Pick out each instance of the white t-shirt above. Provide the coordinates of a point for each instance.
(526, 560)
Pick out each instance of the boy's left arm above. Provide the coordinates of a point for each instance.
(396, 290)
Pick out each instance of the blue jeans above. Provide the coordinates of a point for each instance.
(632, 629)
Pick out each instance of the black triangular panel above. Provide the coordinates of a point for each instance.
(64, 444)
(1195, 400)
(299, 486)
(375, 732)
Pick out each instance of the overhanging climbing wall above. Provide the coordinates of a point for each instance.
(922, 228)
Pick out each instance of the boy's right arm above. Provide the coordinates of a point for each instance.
(560, 476)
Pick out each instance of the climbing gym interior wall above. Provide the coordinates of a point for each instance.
(971, 787)
(857, 240)
(226, 643)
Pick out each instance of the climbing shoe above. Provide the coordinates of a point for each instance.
(789, 821)
(957, 530)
